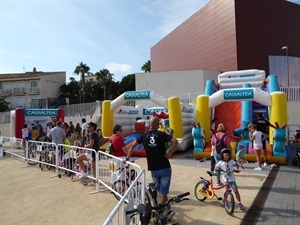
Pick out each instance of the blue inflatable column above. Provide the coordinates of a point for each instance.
(246, 110)
(273, 83)
(197, 133)
(246, 118)
(209, 90)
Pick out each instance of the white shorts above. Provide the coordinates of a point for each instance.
(88, 156)
(257, 147)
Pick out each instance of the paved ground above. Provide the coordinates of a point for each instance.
(282, 206)
(30, 196)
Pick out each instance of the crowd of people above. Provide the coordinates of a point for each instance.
(154, 141)
(85, 135)
(59, 132)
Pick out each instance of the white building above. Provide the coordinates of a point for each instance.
(186, 85)
(31, 89)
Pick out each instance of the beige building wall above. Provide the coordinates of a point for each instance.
(50, 84)
(17, 90)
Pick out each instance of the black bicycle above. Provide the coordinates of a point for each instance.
(146, 211)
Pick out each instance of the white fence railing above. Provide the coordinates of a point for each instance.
(293, 93)
(125, 180)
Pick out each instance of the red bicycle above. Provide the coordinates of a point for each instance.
(205, 189)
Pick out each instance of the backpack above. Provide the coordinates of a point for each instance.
(220, 144)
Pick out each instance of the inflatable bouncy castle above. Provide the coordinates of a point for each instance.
(235, 100)
(178, 117)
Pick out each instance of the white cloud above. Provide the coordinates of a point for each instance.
(119, 68)
(56, 36)
(173, 13)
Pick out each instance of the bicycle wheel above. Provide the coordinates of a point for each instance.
(48, 160)
(32, 155)
(153, 202)
(120, 186)
(85, 180)
(229, 204)
(200, 190)
(74, 177)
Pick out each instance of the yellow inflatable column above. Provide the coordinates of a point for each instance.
(203, 114)
(107, 119)
(175, 116)
(278, 112)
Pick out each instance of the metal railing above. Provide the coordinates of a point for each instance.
(110, 170)
(118, 215)
(293, 93)
(80, 109)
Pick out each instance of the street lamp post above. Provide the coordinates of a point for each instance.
(287, 63)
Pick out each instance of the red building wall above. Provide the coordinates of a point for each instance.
(230, 35)
(205, 41)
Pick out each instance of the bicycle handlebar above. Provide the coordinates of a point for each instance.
(142, 208)
(210, 173)
(124, 167)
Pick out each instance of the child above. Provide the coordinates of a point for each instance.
(240, 156)
(147, 123)
(67, 143)
(68, 162)
(77, 142)
(225, 164)
(257, 137)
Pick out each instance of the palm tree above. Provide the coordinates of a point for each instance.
(146, 67)
(82, 69)
(70, 90)
(104, 77)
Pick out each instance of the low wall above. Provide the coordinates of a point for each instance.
(5, 129)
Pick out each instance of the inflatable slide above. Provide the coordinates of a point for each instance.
(235, 100)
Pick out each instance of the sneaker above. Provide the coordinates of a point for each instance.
(92, 183)
(265, 164)
(240, 206)
(83, 175)
(258, 168)
(170, 214)
(273, 165)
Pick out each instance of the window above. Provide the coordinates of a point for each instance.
(33, 84)
(0, 85)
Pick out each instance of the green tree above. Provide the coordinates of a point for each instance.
(82, 70)
(94, 90)
(71, 91)
(146, 67)
(3, 104)
(127, 84)
(104, 78)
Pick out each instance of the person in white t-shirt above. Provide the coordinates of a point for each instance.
(84, 131)
(25, 132)
(257, 137)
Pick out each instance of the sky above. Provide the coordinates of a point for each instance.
(56, 35)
